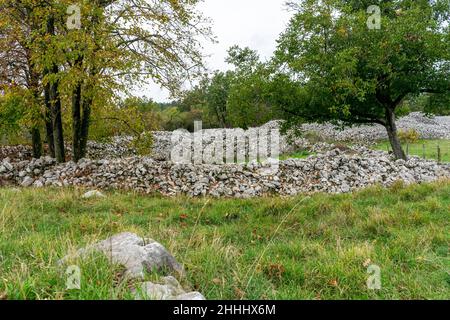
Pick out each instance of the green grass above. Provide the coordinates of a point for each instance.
(423, 147)
(270, 248)
(297, 155)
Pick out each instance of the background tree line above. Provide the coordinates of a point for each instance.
(329, 66)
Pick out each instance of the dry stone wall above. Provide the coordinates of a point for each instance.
(333, 172)
(114, 165)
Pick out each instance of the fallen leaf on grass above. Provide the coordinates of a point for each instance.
(333, 283)
(239, 293)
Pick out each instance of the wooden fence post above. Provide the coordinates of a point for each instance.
(439, 154)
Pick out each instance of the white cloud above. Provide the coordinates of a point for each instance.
(253, 23)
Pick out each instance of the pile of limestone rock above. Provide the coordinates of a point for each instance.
(426, 126)
(335, 171)
(121, 146)
(15, 152)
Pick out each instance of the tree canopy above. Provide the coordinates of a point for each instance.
(77, 58)
(355, 74)
(65, 66)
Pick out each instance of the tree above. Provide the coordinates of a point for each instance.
(249, 101)
(217, 94)
(116, 44)
(127, 41)
(17, 69)
(428, 103)
(50, 64)
(12, 111)
(352, 74)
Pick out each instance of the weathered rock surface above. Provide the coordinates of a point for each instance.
(93, 194)
(15, 152)
(134, 253)
(427, 127)
(170, 289)
(333, 170)
(27, 181)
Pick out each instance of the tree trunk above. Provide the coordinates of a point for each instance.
(391, 128)
(85, 123)
(55, 103)
(58, 133)
(81, 113)
(37, 142)
(49, 122)
(76, 123)
(33, 86)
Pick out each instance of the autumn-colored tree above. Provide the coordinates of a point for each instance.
(88, 53)
(18, 31)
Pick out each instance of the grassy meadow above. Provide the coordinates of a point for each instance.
(305, 247)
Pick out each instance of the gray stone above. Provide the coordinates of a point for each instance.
(38, 184)
(332, 170)
(8, 166)
(93, 194)
(27, 181)
(169, 290)
(135, 254)
(191, 296)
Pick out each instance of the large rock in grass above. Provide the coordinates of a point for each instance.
(134, 253)
(93, 194)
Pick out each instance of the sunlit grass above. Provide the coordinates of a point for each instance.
(297, 155)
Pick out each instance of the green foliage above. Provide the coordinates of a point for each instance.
(217, 97)
(241, 97)
(438, 105)
(134, 117)
(433, 104)
(249, 103)
(116, 46)
(143, 143)
(350, 73)
(12, 113)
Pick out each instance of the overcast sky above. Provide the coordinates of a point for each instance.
(253, 23)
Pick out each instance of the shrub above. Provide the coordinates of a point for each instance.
(143, 143)
(408, 136)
